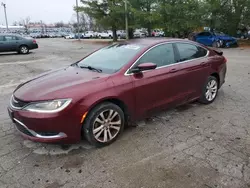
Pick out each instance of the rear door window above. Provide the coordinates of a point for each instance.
(18, 38)
(10, 38)
(190, 51)
(204, 34)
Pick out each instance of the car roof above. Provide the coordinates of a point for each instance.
(154, 41)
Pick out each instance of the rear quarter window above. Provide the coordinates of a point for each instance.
(190, 51)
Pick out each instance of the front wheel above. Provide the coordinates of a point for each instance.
(209, 91)
(216, 44)
(103, 124)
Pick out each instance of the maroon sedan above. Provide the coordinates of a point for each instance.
(95, 97)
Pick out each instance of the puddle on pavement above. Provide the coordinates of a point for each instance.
(54, 149)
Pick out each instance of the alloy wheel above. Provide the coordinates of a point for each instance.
(107, 125)
(24, 49)
(211, 90)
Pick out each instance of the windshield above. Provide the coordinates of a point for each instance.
(111, 58)
(219, 33)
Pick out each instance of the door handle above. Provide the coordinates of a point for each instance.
(173, 70)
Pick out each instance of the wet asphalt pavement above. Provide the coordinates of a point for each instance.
(192, 146)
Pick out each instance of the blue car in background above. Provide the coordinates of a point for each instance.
(215, 39)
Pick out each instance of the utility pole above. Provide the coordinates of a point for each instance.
(6, 20)
(77, 15)
(126, 18)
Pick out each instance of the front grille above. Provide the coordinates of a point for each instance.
(22, 129)
(17, 103)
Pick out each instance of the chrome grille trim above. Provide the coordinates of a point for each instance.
(59, 135)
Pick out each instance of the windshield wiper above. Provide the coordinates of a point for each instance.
(90, 68)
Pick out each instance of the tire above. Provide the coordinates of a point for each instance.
(23, 49)
(216, 44)
(211, 86)
(95, 121)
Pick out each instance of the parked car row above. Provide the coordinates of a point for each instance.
(47, 34)
(121, 34)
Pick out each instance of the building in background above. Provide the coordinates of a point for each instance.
(12, 29)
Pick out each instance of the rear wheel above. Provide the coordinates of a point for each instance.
(209, 91)
(103, 124)
(23, 50)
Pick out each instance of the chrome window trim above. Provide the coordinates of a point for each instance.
(127, 74)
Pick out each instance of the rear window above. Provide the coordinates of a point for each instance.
(112, 58)
(29, 38)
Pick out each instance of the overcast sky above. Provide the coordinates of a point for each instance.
(49, 11)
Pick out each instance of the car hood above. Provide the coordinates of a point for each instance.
(61, 83)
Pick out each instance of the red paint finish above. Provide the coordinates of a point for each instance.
(141, 92)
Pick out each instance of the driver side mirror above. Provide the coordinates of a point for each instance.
(144, 67)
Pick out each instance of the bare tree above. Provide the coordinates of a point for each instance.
(59, 24)
(83, 21)
(25, 22)
(15, 23)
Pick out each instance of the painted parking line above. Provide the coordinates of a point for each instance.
(23, 62)
(13, 83)
(46, 59)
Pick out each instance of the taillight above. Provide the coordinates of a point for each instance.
(225, 60)
(34, 41)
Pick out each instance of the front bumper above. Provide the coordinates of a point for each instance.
(47, 128)
(32, 135)
(230, 43)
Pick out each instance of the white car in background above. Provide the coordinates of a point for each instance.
(139, 34)
(121, 34)
(105, 34)
(70, 36)
(89, 34)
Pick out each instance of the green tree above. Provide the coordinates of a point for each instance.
(226, 15)
(144, 14)
(180, 16)
(108, 13)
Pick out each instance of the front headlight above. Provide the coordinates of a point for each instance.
(48, 106)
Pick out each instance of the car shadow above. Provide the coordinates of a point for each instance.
(12, 53)
(62, 149)
(159, 114)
